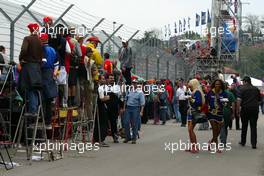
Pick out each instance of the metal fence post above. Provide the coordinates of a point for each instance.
(147, 70)
(111, 39)
(95, 26)
(176, 71)
(168, 67)
(12, 30)
(10, 20)
(31, 14)
(62, 15)
(133, 35)
(102, 46)
(158, 63)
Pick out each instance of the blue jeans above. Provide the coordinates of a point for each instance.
(139, 123)
(177, 112)
(131, 120)
(33, 101)
(163, 114)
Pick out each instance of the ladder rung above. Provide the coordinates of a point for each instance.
(5, 122)
(38, 139)
(5, 110)
(5, 97)
(38, 127)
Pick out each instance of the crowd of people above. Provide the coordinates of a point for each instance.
(72, 71)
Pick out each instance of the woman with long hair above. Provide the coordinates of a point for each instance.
(197, 100)
(216, 101)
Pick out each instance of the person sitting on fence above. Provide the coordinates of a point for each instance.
(125, 58)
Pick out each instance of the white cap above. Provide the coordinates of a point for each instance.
(124, 41)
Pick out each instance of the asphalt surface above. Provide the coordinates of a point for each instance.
(151, 157)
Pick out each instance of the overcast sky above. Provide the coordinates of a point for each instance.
(147, 14)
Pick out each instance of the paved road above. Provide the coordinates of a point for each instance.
(149, 158)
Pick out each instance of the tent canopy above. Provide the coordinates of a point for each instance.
(254, 81)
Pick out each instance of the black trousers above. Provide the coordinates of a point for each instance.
(237, 118)
(183, 108)
(112, 115)
(103, 123)
(251, 116)
(127, 75)
(47, 106)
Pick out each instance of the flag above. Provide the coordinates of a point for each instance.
(184, 24)
(165, 31)
(175, 28)
(203, 20)
(236, 6)
(208, 17)
(180, 26)
(197, 21)
(189, 24)
(169, 30)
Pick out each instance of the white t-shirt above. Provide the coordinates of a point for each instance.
(181, 93)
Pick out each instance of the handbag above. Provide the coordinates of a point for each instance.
(61, 79)
(198, 117)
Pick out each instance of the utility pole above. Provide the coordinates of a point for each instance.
(113, 49)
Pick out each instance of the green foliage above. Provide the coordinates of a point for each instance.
(251, 61)
(191, 35)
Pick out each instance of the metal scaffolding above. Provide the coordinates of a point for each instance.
(224, 13)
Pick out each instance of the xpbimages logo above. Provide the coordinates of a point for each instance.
(80, 147)
(183, 146)
(53, 31)
(146, 89)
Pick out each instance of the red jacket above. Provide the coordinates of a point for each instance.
(170, 92)
(68, 56)
(83, 48)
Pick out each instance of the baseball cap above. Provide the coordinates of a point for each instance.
(246, 79)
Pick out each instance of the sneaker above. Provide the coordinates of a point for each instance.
(126, 141)
(254, 147)
(242, 144)
(103, 144)
(64, 105)
(48, 127)
(134, 141)
(183, 125)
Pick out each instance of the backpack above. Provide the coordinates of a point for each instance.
(163, 99)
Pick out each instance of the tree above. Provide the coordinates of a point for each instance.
(191, 35)
(151, 38)
(253, 26)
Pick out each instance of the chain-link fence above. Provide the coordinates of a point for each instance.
(15, 15)
(154, 60)
(150, 57)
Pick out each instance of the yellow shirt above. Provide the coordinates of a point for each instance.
(96, 56)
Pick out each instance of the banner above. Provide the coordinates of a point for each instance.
(169, 30)
(189, 24)
(184, 24)
(197, 21)
(203, 21)
(208, 17)
(175, 28)
(180, 26)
